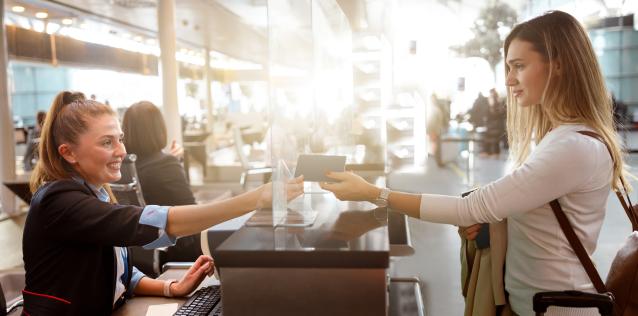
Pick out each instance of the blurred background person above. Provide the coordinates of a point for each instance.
(494, 125)
(478, 112)
(33, 141)
(434, 126)
(162, 176)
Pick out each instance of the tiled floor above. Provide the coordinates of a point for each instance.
(436, 261)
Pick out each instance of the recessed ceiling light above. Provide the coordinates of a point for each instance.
(137, 38)
(17, 9)
(151, 41)
(41, 15)
(67, 21)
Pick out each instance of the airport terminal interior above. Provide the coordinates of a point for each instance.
(411, 94)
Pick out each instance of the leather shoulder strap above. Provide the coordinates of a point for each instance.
(584, 258)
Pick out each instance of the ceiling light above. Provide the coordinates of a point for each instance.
(151, 41)
(17, 9)
(67, 21)
(137, 38)
(41, 15)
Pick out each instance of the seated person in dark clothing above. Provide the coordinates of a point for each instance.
(161, 175)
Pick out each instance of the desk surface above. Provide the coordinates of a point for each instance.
(344, 235)
(20, 187)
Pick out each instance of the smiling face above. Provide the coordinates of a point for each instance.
(528, 73)
(99, 151)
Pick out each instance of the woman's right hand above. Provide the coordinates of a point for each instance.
(470, 232)
(294, 188)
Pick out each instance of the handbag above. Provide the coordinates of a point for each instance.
(619, 294)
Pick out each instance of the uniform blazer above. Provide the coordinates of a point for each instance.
(68, 252)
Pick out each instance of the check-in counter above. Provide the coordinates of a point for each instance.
(336, 266)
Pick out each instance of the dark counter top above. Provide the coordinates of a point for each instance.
(344, 235)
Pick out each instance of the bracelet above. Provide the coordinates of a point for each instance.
(167, 287)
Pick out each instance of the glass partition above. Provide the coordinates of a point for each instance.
(310, 89)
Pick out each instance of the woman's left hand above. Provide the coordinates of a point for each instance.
(350, 187)
(177, 150)
(196, 273)
(470, 232)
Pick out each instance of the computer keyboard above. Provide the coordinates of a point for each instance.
(205, 301)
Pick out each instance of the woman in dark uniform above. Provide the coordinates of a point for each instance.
(75, 235)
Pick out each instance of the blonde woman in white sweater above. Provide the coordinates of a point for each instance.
(555, 89)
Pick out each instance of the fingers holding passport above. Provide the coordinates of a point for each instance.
(347, 186)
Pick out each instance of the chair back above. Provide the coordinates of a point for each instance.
(128, 190)
(239, 148)
(250, 170)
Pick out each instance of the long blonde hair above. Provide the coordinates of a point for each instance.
(577, 95)
(66, 120)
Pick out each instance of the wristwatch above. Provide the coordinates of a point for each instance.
(382, 199)
(383, 195)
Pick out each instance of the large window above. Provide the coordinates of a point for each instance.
(617, 51)
(33, 88)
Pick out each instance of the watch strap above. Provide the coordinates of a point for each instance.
(384, 194)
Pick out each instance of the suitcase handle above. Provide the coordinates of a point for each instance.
(604, 302)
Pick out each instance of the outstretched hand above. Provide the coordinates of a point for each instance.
(196, 273)
(293, 187)
(350, 187)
